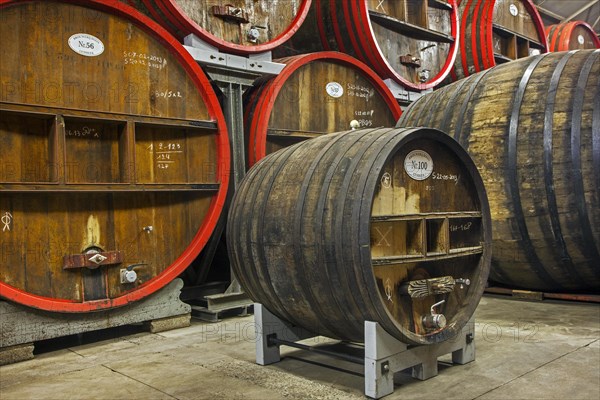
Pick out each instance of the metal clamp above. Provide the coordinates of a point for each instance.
(92, 260)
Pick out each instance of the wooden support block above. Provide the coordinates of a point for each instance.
(528, 295)
(15, 354)
(168, 323)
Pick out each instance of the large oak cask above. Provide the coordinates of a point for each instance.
(572, 35)
(494, 32)
(533, 129)
(314, 95)
(412, 42)
(114, 155)
(234, 26)
(388, 225)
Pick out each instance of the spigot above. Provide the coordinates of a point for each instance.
(434, 321)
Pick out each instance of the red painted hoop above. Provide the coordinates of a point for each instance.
(562, 34)
(258, 126)
(176, 16)
(385, 69)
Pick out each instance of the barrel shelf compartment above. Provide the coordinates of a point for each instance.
(408, 29)
(428, 237)
(115, 151)
(510, 45)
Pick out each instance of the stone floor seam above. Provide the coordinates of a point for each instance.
(138, 381)
(535, 369)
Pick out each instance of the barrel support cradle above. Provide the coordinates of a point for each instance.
(384, 355)
(233, 75)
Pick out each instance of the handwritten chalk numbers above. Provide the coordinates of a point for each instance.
(166, 153)
(167, 94)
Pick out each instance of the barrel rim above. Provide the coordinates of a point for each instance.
(384, 66)
(176, 15)
(556, 44)
(258, 130)
(198, 77)
(465, 313)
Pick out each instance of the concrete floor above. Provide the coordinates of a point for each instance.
(525, 350)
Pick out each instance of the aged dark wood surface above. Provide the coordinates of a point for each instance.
(533, 129)
(326, 233)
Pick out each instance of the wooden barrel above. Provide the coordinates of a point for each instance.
(572, 35)
(388, 225)
(235, 26)
(533, 129)
(114, 155)
(494, 32)
(315, 94)
(412, 42)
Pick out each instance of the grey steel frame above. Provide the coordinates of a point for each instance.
(384, 355)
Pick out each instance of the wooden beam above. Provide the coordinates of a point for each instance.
(582, 9)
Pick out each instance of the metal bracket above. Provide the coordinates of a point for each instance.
(92, 260)
(233, 75)
(384, 355)
(207, 54)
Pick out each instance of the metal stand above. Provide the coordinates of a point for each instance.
(384, 355)
(233, 75)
